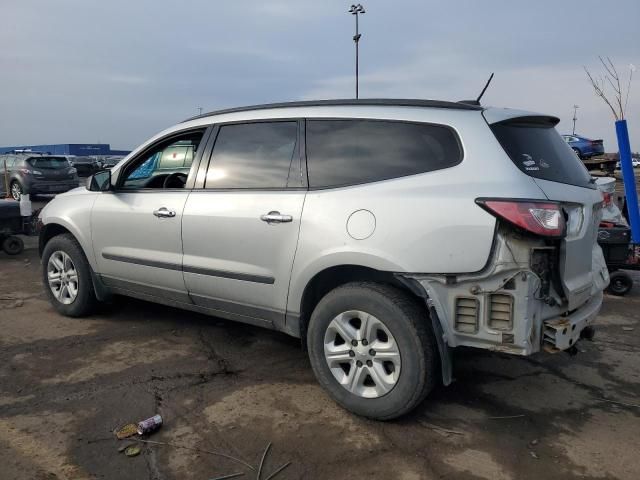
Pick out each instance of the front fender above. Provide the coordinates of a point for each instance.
(72, 211)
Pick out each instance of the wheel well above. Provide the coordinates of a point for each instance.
(330, 278)
(48, 232)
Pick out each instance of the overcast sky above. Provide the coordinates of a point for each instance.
(118, 71)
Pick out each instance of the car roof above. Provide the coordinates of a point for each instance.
(406, 102)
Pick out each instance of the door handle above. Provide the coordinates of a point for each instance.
(275, 217)
(164, 213)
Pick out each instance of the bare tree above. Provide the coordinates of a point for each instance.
(618, 100)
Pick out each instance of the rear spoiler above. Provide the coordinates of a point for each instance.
(508, 115)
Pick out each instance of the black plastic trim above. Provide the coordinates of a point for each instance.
(139, 261)
(245, 277)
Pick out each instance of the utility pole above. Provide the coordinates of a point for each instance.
(575, 117)
(356, 10)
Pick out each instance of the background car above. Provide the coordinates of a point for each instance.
(110, 161)
(634, 161)
(583, 146)
(37, 174)
(85, 166)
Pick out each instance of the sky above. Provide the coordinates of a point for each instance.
(119, 71)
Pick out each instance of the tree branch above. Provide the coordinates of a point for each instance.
(599, 90)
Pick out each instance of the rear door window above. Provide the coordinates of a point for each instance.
(253, 155)
(350, 152)
(538, 150)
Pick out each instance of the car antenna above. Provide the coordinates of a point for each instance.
(484, 89)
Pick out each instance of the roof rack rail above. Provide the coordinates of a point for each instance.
(347, 102)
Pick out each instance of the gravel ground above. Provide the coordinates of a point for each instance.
(66, 384)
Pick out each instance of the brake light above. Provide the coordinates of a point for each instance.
(541, 218)
(26, 171)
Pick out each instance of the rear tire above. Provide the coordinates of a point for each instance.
(79, 298)
(12, 245)
(16, 190)
(620, 283)
(407, 327)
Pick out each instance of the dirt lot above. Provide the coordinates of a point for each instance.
(66, 384)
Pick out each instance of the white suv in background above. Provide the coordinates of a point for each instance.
(383, 233)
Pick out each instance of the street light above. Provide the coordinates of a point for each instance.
(575, 117)
(355, 10)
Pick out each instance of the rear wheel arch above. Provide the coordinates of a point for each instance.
(332, 277)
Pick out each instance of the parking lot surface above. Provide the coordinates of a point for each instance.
(66, 384)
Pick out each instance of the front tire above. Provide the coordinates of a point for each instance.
(66, 275)
(372, 348)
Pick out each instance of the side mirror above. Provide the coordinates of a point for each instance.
(100, 182)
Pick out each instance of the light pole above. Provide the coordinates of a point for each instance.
(575, 117)
(356, 10)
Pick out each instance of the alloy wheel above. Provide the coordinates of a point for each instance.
(362, 354)
(16, 191)
(62, 277)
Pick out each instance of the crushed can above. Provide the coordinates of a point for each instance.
(149, 425)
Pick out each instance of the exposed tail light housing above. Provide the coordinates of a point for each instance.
(538, 217)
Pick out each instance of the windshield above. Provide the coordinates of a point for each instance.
(49, 162)
(538, 150)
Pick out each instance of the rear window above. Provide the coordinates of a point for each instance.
(49, 162)
(350, 152)
(539, 151)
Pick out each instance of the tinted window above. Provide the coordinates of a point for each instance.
(347, 152)
(539, 151)
(252, 155)
(49, 162)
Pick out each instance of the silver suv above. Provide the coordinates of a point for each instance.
(383, 233)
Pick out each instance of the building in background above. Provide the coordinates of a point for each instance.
(78, 149)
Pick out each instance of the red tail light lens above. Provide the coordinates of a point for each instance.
(541, 218)
(26, 171)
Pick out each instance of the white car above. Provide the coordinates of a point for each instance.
(634, 161)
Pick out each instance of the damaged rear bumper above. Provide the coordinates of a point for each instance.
(563, 332)
(511, 306)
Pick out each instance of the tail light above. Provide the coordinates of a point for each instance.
(540, 218)
(26, 171)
